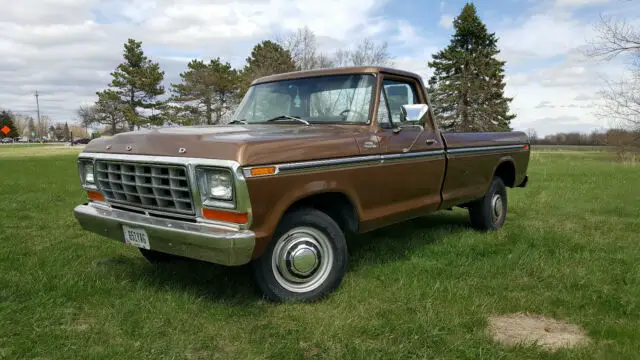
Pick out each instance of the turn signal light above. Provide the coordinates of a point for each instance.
(261, 171)
(95, 196)
(526, 147)
(227, 216)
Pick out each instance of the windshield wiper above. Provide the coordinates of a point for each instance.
(243, 122)
(287, 117)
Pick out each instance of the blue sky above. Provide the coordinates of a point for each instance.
(66, 48)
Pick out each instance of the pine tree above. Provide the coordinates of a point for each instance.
(467, 87)
(110, 111)
(207, 89)
(137, 82)
(267, 58)
(66, 131)
(6, 119)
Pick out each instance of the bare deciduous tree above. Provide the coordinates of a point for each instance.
(341, 57)
(621, 98)
(303, 46)
(369, 53)
(532, 135)
(615, 37)
(85, 114)
(622, 101)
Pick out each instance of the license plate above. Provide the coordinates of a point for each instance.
(135, 237)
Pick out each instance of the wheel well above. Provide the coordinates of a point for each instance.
(507, 172)
(337, 205)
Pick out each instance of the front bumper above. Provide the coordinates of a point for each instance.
(193, 240)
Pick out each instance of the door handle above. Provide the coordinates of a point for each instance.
(431, 142)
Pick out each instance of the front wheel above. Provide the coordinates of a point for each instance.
(490, 212)
(305, 261)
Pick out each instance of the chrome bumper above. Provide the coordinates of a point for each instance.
(193, 240)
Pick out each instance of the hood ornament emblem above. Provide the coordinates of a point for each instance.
(129, 147)
(108, 147)
(182, 151)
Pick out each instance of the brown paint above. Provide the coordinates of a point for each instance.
(381, 193)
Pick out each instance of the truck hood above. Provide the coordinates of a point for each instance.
(246, 144)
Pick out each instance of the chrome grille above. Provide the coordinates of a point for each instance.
(151, 186)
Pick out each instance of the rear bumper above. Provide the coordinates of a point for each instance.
(193, 240)
(524, 182)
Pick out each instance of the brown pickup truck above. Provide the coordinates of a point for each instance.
(308, 157)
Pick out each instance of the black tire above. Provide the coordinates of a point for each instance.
(157, 257)
(490, 212)
(306, 240)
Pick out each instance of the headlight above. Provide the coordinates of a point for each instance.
(215, 184)
(87, 178)
(88, 173)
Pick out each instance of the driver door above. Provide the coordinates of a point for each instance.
(413, 156)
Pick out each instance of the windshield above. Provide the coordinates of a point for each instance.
(326, 99)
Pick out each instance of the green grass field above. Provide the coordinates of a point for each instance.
(424, 289)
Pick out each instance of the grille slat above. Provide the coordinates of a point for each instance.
(152, 186)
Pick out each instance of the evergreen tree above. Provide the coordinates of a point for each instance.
(6, 119)
(137, 82)
(207, 89)
(66, 132)
(58, 132)
(267, 58)
(110, 111)
(467, 87)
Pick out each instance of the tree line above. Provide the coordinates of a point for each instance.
(611, 137)
(28, 127)
(208, 91)
(467, 88)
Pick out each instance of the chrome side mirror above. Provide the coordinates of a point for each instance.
(413, 112)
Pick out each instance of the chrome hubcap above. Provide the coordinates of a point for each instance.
(496, 207)
(302, 259)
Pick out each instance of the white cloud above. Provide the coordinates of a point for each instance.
(575, 3)
(66, 49)
(446, 21)
(542, 36)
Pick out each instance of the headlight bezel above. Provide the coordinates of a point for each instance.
(203, 175)
(82, 172)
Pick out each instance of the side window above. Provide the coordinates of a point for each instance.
(383, 112)
(399, 93)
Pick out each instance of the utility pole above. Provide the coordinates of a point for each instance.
(38, 105)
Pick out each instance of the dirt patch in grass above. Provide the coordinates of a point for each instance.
(524, 329)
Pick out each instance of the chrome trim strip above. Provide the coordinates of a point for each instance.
(379, 159)
(328, 162)
(412, 155)
(484, 148)
(243, 203)
(149, 212)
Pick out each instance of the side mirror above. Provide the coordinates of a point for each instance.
(413, 113)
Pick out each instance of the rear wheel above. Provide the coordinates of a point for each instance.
(306, 260)
(490, 212)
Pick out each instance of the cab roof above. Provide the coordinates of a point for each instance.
(334, 71)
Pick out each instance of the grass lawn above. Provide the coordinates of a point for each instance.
(424, 289)
(28, 150)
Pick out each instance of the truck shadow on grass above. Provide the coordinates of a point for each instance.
(235, 285)
(399, 241)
